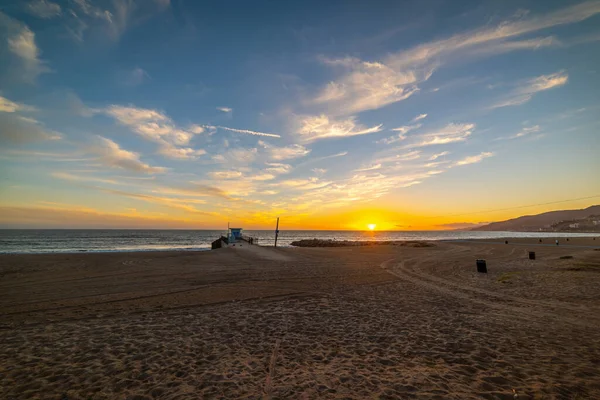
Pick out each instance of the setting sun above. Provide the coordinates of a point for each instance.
(371, 227)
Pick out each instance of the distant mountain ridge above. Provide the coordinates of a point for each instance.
(584, 220)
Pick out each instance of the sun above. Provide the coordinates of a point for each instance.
(372, 227)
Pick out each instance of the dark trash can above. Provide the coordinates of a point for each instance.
(532, 255)
(481, 266)
(506, 242)
(540, 240)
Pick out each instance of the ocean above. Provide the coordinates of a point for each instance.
(113, 240)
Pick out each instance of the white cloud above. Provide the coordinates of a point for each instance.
(449, 134)
(304, 184)
(78, 178)
(135, 77)
(505, 47)
(114, 156)
(261, 177)
(319, 171)
(438, 155)
(406, 128)
(527, 89)
(21, 42)
(43, 9)
(285, 152)
(474, 159)
(158, 127)
(369, 168)
(9, 106)
(225, 109)
(524, 132)
(278, 168)
(320, 127)
(366, 86)
(225, 174)
(371, 85)
(411, 155)
(86, 7)
(401, 136)
(419, 117)
(115, 21)
(182, 153)
(246, 131)
(236, 156)
(133, 115)
(19, 130)
(197, 129)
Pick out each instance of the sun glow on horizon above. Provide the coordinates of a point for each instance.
(372, 227)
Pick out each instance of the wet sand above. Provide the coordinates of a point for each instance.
(250, 322)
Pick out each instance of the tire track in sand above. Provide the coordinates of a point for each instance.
(511, 306)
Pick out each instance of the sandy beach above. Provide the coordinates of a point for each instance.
(383, 322)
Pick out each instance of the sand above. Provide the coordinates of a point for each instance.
(358, 322)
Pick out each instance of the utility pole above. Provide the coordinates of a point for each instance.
(276, 231)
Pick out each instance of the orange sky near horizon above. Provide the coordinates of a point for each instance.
(56, 215)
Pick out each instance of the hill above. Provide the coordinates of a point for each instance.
(584, 220)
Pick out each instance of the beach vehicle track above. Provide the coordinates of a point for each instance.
(509, 305)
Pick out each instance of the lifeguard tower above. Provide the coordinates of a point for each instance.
(235, 234)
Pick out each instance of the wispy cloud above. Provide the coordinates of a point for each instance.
(474, 159)
(43, 9)
(406, 128)
(236, 156)
(451, 133)
(45, 155)
(117, 17)
(19, 130)
(365, 85)
(158, 127)
(261, 177)
(225, 174)
(284, 152)
(225, 109)
(322, 127)
(369, 168)
(135, 77)
(304, 184)
(524, 132)
(438, 155)
(396, 158)
(419, 117)
(188, 205)
(10, 106)
(112, 155)
(182, 153)
(400, 136)
(88, 179)
(278, 168)
(508, 46)
(527, 89)
(21, 43)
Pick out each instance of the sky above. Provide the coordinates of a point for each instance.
(410, 115)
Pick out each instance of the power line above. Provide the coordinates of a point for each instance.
(517, 207)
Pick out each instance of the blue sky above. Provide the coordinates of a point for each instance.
(162, 113)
